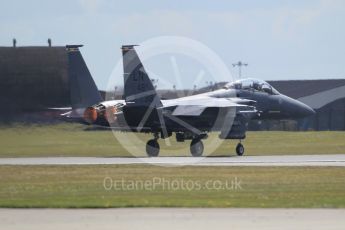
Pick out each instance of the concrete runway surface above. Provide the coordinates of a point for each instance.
(286, 160)
(172, 218)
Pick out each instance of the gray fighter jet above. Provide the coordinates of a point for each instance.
(227, 110)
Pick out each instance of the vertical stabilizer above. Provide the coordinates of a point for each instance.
(138, 88)
(83, 89)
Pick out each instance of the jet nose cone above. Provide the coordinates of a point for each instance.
(305, 111)
(308, 111)
(294, 109)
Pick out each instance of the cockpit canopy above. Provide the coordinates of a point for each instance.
(252, 85)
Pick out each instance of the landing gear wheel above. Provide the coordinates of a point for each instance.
(196, 148)
(152, 148)
(239, 149)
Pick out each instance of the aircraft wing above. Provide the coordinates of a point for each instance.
(195, 106)
(234, 114)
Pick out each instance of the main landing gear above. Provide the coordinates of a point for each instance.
(196, 147)
(152, 147)
(239, 149)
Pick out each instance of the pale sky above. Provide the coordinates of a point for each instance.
(279, 39)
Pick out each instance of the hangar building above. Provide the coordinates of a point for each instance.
(33, 78)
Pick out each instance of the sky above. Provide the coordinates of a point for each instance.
(280, 40)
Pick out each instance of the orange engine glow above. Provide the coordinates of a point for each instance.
(110, 114)
(90, 115)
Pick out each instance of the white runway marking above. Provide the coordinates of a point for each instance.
(286, 160)
(172, 218)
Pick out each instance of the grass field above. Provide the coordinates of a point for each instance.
(73, 140)
(83, 186)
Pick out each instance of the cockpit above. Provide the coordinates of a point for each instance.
(251, 84)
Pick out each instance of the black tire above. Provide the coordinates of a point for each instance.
(152, 148)
(196, 148)
(239, 149)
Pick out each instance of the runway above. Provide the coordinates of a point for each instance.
(172, 218)
(285, 160)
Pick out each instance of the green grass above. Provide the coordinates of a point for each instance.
(82, 187)
(73, 140)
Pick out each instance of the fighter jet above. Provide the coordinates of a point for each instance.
(227, 110)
